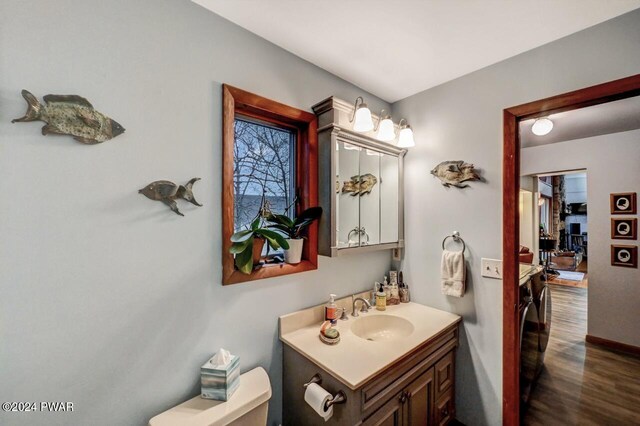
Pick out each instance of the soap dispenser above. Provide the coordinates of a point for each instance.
(331, 310)
(381, 299)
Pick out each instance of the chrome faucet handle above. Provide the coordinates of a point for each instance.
(365, 306)
(344, 316)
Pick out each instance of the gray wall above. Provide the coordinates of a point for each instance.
(611, 162)
(109, 300)
(462, 119)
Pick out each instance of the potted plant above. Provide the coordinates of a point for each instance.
(247, 245)
(293, 229)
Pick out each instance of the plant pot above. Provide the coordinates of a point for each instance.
(294, 253)
(258, 245)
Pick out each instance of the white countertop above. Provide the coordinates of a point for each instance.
(526, 271)
(354, 360)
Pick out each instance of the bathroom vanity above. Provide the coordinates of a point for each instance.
(395, 367)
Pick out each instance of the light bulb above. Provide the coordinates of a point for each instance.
(363, 122)
(386, 131)
(542, 126)
(405, 139)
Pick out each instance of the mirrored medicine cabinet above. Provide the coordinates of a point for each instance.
(360, 185)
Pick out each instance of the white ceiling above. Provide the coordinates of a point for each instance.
(394, 49)
(604, 119)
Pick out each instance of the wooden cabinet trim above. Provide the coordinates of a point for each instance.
(444, 372)
(393, 407)
(390, 374)
(394, 382)
(444, 410)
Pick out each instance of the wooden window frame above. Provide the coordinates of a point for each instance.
(239, 102)
(594, 95)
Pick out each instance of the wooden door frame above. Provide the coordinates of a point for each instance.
(594, 95)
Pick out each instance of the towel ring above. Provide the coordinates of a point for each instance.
(457, 238)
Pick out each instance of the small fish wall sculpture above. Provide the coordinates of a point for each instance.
(359, 184)
(70, 115)
(453, 173)
(168, 192)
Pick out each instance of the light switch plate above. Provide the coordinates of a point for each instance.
(492, 268)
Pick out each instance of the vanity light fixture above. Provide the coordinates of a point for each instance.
(385, 129)
(362, 116)
(542, 126)
(405, 139)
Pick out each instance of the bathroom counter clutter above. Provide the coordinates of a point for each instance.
(370, 343)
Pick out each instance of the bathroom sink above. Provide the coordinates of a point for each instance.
(378, 328)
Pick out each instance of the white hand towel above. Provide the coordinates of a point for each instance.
(453, 273)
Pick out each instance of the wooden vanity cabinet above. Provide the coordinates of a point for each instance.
(416, 390)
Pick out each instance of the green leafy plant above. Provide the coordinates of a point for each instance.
(242, 244)
(294, 228)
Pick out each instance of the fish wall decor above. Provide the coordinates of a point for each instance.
(360, 184)
(168, 192)
(453, 173)
(70, 115)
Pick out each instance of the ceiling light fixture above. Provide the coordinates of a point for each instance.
(362, 116)
(405, 139)
(385, 128)
(542, 126)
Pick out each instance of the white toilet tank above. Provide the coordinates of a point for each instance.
(248, 406)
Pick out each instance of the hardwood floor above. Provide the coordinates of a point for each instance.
(569, 283)
(582, 267)
(582, 384)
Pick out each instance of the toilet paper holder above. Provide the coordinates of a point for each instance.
(338, 398)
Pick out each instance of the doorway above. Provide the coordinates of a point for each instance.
(595, 95)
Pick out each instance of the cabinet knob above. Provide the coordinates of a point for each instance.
(444, 412)
(403, 397)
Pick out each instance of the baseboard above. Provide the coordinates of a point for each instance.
(623, 347)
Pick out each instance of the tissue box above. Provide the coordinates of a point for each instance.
(220, 383)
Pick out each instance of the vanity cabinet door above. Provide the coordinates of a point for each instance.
(390, 414)
(419, 400)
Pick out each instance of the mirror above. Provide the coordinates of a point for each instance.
(369, 197)
(367, 188)
(348, 166)
(389, 198)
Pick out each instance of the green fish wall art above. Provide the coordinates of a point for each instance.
(70, 115)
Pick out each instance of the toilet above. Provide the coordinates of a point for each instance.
(248, 406)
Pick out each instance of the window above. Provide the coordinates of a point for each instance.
(263, 169)
(269, 155)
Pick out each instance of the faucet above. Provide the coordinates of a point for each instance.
(365, 306)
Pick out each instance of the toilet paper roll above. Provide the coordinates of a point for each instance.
(317, 397)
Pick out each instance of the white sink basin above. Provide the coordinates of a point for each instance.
(379, 328)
